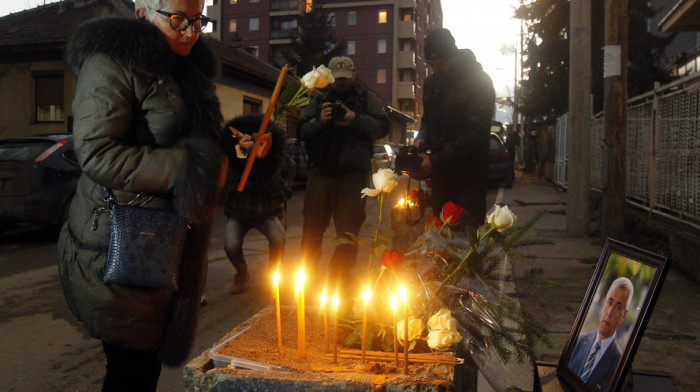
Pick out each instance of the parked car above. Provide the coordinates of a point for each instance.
(500, 165)
(297, 151)
(38, 177)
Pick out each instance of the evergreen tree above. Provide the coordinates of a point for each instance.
(316, 43)
(544, 94)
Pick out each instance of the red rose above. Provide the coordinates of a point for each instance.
(391, 259)
(435, 219)
(453, 212)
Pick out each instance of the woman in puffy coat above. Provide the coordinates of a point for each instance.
(146, 120)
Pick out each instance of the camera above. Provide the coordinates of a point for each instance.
(407, 160)
(337, 111)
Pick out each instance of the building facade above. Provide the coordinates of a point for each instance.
(36, 91)
(384, 39)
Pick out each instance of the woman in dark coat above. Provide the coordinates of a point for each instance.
(146, 120)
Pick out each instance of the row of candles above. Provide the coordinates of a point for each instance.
(323, 300)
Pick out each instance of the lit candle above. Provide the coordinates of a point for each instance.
(366, 294)
(276, 284)
(336, 302)
(325, 318)
(394, 306)
(301, 328)
(404, 298)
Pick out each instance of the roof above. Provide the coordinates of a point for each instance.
(685, 16)
(41, 32)
(52, 23)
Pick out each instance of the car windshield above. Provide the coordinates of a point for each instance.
(23, 152)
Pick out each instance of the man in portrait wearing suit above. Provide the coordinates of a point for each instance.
(596, 354)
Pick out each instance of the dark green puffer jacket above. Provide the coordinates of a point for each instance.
(145, 120)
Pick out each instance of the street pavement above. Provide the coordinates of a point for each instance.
(45, 349)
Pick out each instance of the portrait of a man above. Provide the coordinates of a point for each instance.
(596, 354)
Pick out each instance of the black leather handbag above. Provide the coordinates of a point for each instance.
(145, 246)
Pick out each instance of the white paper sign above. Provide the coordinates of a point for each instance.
(612, 67)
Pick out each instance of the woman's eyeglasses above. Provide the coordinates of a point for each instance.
(180, 22)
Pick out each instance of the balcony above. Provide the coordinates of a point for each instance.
(284, 5)
(407, 60)
(407, 29)
(406, 90)
(283, 34)
(407, 3)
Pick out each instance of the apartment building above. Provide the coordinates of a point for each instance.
(384, 39)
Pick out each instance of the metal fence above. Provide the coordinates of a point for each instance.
(663, 150)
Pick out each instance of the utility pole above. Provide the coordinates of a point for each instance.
(615, 74)
(515, 92)
(579, 137)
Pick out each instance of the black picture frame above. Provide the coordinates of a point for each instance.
(601, 310)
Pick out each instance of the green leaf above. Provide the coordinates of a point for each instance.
(288, 92)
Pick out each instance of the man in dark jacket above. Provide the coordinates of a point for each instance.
(339, 128)
(458, 101)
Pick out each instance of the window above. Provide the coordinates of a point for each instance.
(406, 75)
(233, 1)
(49, 97)
(406, 45)
(351, 47)
(254, 1)
(407, 17)
(381, 76)
(253, 50)
(352, 18)
(254, 24)
(331, 19)
(382, 16)
(251, 105)
(232, 26)
(381, 46)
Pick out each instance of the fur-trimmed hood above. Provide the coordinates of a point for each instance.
(134, 44)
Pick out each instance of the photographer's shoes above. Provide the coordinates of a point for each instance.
(240, 283)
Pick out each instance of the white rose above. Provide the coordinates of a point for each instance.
(442, 339)
(317, 78)
(501, 218)
(442, 320)
(415, 329)
(384, 180)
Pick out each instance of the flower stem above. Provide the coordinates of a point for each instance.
(376, 235)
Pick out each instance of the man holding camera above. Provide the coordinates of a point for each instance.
(339, 128)
(453, 140)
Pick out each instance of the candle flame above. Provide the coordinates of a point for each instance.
(276, 278)
(403, 294)
(403, 203)
(366, 294)
(393, 303)
(336, 302)
(300, 281)
(323, 299)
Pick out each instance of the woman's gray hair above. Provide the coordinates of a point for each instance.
(150, 6)
(623, 283)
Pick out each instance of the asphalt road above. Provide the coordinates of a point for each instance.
(43, 347)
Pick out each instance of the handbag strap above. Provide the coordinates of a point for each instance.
(111, 200)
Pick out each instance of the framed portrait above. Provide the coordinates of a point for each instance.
(611, 321)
